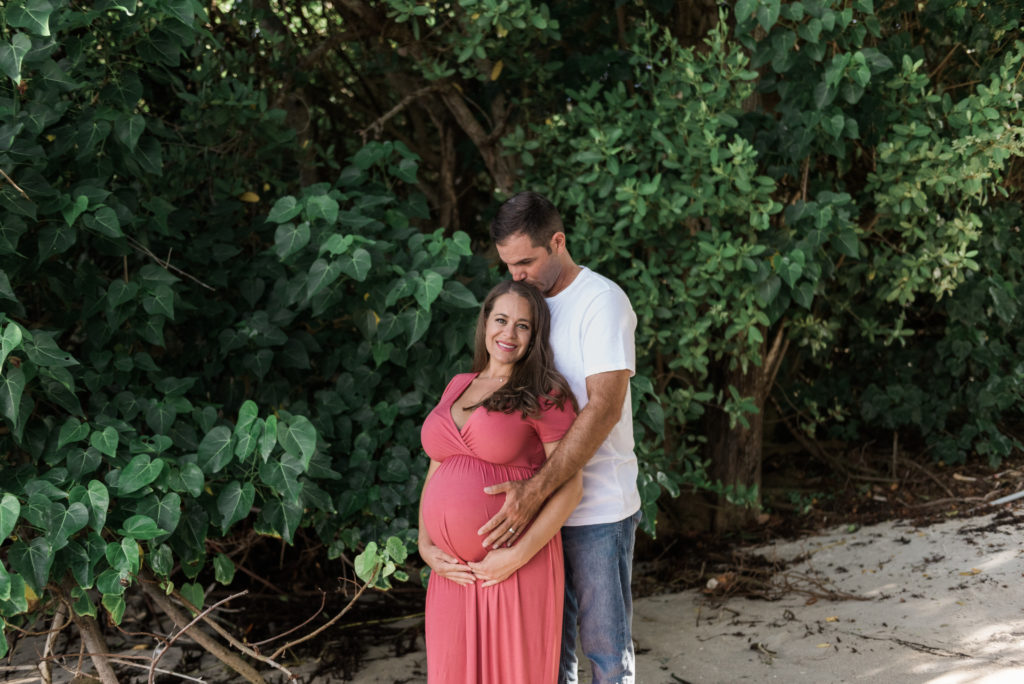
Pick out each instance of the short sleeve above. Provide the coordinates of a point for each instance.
(608, 334)
(553, 422)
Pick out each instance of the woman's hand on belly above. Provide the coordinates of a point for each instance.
(498, 565)
(445, 565)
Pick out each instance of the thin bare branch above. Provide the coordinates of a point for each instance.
(202, 615)
(378, 125)
(165, 264)
(323, 602)
(324, 626)
(15, 185)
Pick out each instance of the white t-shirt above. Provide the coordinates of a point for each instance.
(592, 326)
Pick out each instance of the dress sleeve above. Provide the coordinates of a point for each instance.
(552, 423)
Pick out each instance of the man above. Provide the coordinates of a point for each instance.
(592, 326)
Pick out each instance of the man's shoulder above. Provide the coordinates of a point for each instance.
(595, 284)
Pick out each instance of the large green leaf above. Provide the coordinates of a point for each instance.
(161, 560)
(81, 462)
(168, 512)
(322, 207)
(282, 475)
(160, 302)
(215, 450)
(234, 503)
(113, 582)
(160, 417)
(105, 441)
(223, 569)
(269, 437)
(12, 53)
(72, 431)
(32, 15)
(321, 274)
(139, 472)
(459, 295)
(43, 350)
(12, 384)
(367, 563)
(247, 414)
(184, 11)
(356, 264)
(289, 239)
(10, 509)
(66, 522)
(416, 322)
(95, 497)
(280, 519)
(284, 209)
(140, 527)
(75, 558)
(124, 557)
(18, 603)
(245, 442)
(428, 288)
(32, 561)
(5, 584)
(128, 128)
(193, 593)
(6, 292)
(9, 341)
(189, 479)
(297, 437)
(75, 209)
(120, 292)
(105, 222)
(115, 605)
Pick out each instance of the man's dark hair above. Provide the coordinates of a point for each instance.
(529, 213)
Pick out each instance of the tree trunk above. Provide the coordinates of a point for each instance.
(735, 452)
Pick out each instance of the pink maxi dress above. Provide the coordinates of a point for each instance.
(509, 633)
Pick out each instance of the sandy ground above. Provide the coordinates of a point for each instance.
(892, 603)
(940, 604)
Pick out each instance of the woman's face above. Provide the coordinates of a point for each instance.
(508, 331)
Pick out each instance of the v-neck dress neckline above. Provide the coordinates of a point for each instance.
(461, 430)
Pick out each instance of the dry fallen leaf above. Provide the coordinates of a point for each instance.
(824, 645)
(832, 618)
(972, 571)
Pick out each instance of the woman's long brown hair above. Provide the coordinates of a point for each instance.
(533, 377)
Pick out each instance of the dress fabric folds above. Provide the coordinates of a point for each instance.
(509, 633)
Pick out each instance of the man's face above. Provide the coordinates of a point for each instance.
(538, 266)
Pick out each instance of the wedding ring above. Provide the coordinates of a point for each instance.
(511, 530)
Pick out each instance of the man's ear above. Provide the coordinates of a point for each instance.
(558, 242)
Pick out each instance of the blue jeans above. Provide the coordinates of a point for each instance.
(598, 571)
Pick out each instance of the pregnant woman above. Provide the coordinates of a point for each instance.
(494, 616)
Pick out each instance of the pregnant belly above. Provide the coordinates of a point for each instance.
(455, 505)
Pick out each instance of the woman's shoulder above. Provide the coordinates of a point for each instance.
(459, 380)
(555, 400)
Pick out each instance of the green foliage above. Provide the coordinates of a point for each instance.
(817, 184)
(661, 194)
(932, 258)
(268, 370)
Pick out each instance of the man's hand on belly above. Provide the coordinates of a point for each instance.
(522, 502)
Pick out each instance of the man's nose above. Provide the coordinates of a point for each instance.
(518, 274)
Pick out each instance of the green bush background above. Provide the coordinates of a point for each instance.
(242, 246)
